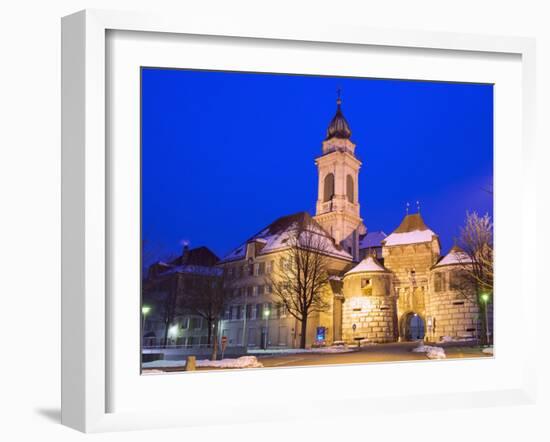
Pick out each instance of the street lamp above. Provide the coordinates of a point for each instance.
(266, 315)
(485, 299)
(145, 309)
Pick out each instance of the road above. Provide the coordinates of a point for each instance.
(372, 353)
(393, 352)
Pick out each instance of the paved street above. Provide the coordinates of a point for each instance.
(372, 353)
(394, 352)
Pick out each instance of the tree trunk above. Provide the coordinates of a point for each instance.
(209, 333)
(166, 325)
(304, 333)
(214, 355)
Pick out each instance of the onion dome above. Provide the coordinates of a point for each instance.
(338, 127)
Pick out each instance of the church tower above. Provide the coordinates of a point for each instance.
(338, 190)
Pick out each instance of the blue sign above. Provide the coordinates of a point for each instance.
(321, 333)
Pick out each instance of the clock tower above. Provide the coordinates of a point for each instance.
(337, 207)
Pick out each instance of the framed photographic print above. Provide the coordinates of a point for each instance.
(261, 209)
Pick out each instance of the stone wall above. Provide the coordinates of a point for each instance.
(371, 307)
(450, 312)
(410, 265)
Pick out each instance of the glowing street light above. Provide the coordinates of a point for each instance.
(266, 316)
(145, 309)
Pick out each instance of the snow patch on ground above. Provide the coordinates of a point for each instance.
(431, 352)
(242, 362)
(151, 371)
(289, 351)
(451, 339)
(488, 351)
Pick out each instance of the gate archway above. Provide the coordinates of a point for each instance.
(413, 327)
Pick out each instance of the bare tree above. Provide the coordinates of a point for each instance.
(302, 274)
(162, 294)
(208, 298)
(476, 240)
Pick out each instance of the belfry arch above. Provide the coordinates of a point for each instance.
(350, 189)
(328, 191)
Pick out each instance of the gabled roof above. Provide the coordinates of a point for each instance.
(372, 239)
(198, 261)
(369, 264)
(276, 237)
(412, 230)
(456, 256)
(201, 256)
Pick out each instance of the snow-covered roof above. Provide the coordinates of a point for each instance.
(412, 230)
(192, 269)
(278, 236)
(369, 264)
(372, 239)
(455, 256)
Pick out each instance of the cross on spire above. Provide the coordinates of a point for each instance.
(338, 95)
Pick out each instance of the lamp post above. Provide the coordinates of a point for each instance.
(485, 299)
(145, 309)
(266, 315)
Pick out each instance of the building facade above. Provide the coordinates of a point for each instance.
(382, 288)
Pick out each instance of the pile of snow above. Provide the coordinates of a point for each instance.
(431, 352)
(460, 339)
(488, 351)
(242, 362)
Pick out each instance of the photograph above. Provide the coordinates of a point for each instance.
(292, 220)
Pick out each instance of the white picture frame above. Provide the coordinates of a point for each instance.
(86, 209)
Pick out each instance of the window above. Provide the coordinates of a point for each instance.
(438, 282)
(252, 291)
(350, 189)
(269, 266)
(261, 289)
(196, 323)
(328, 189)
(250, 269)
(249, 308)
(237, 313)
(281, 310)
(185, 323)
(258, 311)
(256, 269)
(365, 282)
(268, 288)
(261, 268)
(457, 281)
(230, 272)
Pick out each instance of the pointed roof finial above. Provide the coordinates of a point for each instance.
(338, 127)
(407, 208)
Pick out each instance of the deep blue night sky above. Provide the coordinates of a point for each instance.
(225, 154)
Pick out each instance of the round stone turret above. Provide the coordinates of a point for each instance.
(369, 308)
